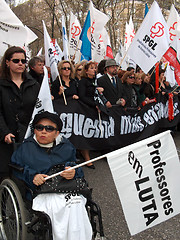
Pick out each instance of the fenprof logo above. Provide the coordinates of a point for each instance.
(75, 30)
(157, 30)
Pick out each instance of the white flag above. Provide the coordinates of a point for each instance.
(151, 41)
(170, 76)
(12, 30)
(173, 23)
(59, 53)
(129, 33)
(74, 42)
(65, 40)
(40, 52)
(98, 21)
(146, 175)
(50, 54)
(43, 103)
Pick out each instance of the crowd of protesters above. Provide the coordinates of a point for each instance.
(129, 89)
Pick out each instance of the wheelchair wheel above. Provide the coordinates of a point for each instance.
(12, 212)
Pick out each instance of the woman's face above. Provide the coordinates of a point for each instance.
(66, 70)
(91, 71)
(131, 79)
(162, 77)
(44, 137)
(78, 71)
(138, 80)
(19, 65)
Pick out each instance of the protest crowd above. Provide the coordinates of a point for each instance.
(101, 87)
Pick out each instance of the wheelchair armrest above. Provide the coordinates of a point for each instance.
(16, 167)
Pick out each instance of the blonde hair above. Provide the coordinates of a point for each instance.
(60, 65)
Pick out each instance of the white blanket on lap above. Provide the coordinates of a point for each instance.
(68, 215)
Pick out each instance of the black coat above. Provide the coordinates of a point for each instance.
(111, 93)
(86, 90)
(16, 107)
(68, 91)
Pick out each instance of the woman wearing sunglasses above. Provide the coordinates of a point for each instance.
(66, 72)
(128, 80)
(18, 96)
(37, 155)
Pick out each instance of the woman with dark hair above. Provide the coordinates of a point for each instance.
(18, 96)
(88, 84)
(66, 72)
(86, 91)
(164, 86)
(128, 80)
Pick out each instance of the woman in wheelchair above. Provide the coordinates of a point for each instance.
(40, 155)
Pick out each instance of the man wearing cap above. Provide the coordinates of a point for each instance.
(111, 84)
(37, 155)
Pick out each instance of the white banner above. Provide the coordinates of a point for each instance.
(74, 42)
(151, 41)
(147, 176)
(43, 103)
(12, 30)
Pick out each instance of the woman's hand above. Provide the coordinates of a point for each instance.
(68, 174)
(8, 138)
(61, 90)
(75, 96)
(39, 179)
(108, 104)
(100, 89)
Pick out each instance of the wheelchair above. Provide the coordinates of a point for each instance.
(19, 222)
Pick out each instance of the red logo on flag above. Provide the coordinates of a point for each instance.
(157, 30)
(75, 30)
(172, 31)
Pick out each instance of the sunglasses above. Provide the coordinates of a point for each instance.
(48, 128)
(16, 60)
(131, 77)
(66, 68)
(79, 69)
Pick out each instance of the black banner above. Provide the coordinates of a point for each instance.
(86, 130)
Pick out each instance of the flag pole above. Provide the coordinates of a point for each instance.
(100, 122)
(77, 166)
(65, 102)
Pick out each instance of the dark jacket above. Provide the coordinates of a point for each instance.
(35, 76)
(16, 106)
(131, 96)
(86, 90)
(110, 92)
(68, 91)
(35, 159)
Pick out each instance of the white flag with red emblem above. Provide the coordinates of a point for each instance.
(151, 41)
(74, 42)
(129, 33)
(173, 23)
(98, 21)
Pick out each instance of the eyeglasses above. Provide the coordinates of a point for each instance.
(66, 68)
(16, 60)
(131, 77)
(79, 69)
(48, 128)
